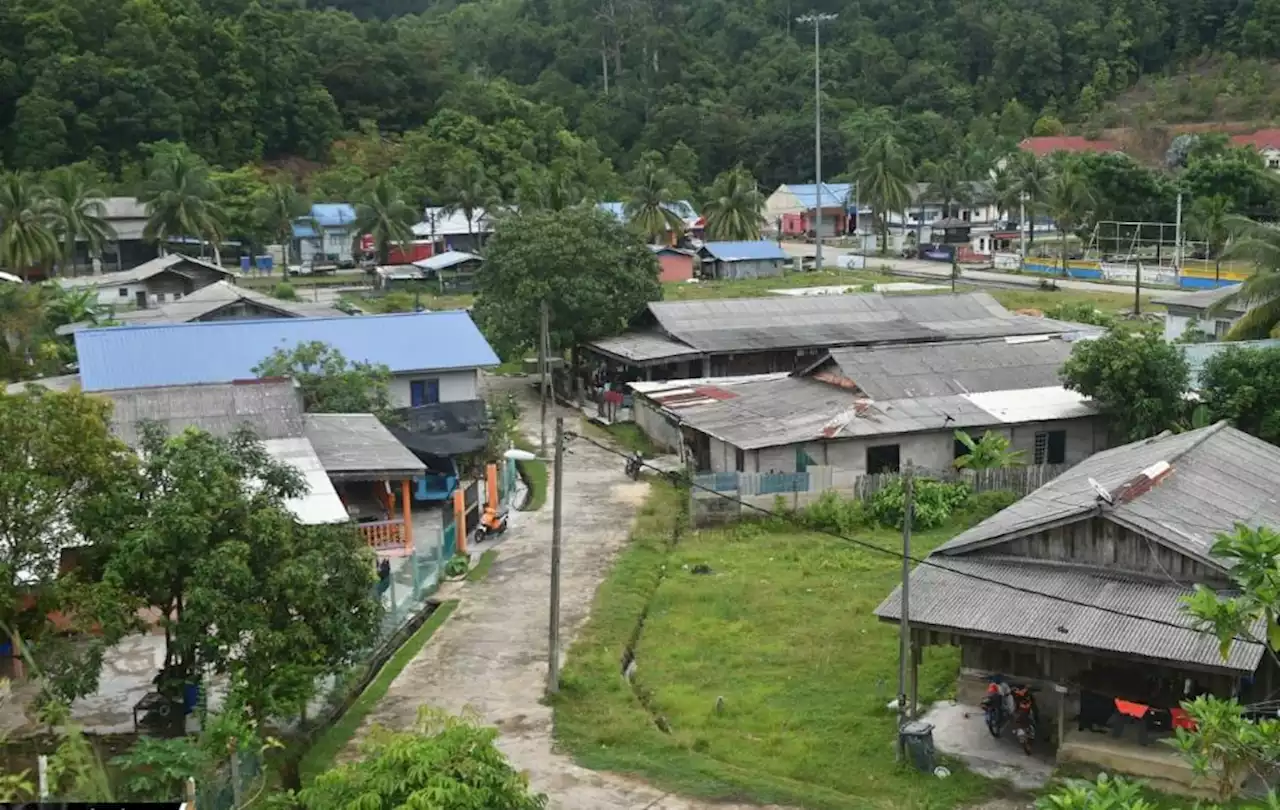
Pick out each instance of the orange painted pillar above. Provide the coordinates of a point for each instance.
(491, 478)
(460, 519)
(408, 520)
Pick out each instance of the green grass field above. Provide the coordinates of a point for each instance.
(782, 630)
(342, 278)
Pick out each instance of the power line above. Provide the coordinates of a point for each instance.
(917, 560)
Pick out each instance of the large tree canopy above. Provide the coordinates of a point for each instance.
(1138, 379)
(594, 273)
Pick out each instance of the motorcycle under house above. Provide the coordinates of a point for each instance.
(1013, 707)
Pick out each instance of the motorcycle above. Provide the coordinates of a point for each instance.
(1014, 706)
(995, 705)
(635, 463)
(1025, 716)
(493, 523)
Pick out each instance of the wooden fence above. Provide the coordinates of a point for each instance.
(726, 497)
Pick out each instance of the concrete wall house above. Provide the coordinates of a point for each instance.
(433, 356)
(326, 236)
(865, 411)
(154, 283)
(1183, 310)
(675, 264)
(737, 336)
(724, 260)
(451, 230)
(1077, 590)
(1266, 141)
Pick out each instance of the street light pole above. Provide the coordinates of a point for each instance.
(817, 20)
(553, 634)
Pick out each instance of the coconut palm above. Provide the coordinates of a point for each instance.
(181, 201)
(26, 237)
(467, 188)
(277, 209)
(386, 217)
(1069, 201)
(1259, 295)
(948, 183)
(77, 214)
(883, 174)
(733, 212)
(1211, 220)
(650, 207)
(1021, 187)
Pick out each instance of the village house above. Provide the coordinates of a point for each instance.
(326, 236)
(737, 336)
(872, 410)
(432, 356)
(692, 224)
(220, 301)
(1043, 146)
(1181, 311)
(451, 230)
(1078, 588)
(675, 264)
(794, 210)
(1266, 142)
(734, 260)
(154, 283)
(127, 218)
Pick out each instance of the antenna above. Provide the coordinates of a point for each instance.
(1103, 493)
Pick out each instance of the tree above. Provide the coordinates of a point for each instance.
(540, 256)
(277, 209)
(650, 207)
(181, 200)
(469, 190)
(1211, 221)
(244, 589)
(1243, 386)
(1259, 295)
(63, 482)
(454, 762)
(386, 217)
(1069, 201)
(991, 452)
(26, 239)
(330, 382)
(882, 176)
(948, 184)
(1137, 378)
(77, 213)
(1031, 181)
(733, 208)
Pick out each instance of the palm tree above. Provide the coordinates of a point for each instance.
(1211, 221)
(948, 183)
(650, 207)
(883, 174)
(1069, 201)
(1259, 295)
(1032, 177)
(733, 212)
(468, 189)
(181, 201)
(26, 238)
(77, 213)
(386, 217)
(277, 209)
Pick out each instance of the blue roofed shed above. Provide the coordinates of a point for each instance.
(326, 234)
(742, 259)
(433, 356)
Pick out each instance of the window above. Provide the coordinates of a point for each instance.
(1051, 447)
(424, 392)
(1221, 328)
(882, 458)
(958, 449)
(1273, 163)
(159, 298)
(739, 460)
(124, 292)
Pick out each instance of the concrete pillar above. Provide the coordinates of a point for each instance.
(408, 518)
(460, 518)
(491, 481)
(706, 367)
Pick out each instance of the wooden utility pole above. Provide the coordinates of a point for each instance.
(553, 630)
(904, 622)
(544, 361)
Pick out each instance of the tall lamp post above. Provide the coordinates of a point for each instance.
(817, 20)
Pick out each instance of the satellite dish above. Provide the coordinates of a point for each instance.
(1102, 491)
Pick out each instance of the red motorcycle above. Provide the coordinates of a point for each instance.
(1023, 717)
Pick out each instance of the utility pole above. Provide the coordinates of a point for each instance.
(1022, 226)
(544, 360)
(1177, 241)
(817, 20)
(904, 623)
(553, 631)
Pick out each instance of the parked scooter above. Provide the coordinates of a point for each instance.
(1014, 706)
(635, 463)
(492, 523)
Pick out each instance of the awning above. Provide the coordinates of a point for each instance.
(444, 429)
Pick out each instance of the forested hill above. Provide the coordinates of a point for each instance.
(243, 81)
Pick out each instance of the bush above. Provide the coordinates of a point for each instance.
(934, 503)
(457, 565)
(982, 505)
(284, 291)
(1081, 312)
(832, 513)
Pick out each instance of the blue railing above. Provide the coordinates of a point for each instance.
(773, 483)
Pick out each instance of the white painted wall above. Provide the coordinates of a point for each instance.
(1175, 326)
(455, 386)
(123, 296)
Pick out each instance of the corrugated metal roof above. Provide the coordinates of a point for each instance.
(1198, 354)
(1042, 404)
(439, 222)
(123, 208)
(934, 369)
(953, 600)
(320, 503)
(640, 347)
(173, 261)
(271, 408)
(450, 258)
(356, 445)
(1219, 476)
(1200, 299)
(756, 324)
(220, 351)
(681, 208)
(333, 215)
(762, 250)
(218, 295)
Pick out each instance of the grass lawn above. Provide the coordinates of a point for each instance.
(319, 758)
(481, 569)
(406, 301)
(758, 287)
(782, 630)
(344, 278)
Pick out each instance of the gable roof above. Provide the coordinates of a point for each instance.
(333, 215)
(173, 262)
(437, 222)
(962, 367)
(1216, 477)
(216, 296)
(762, 250)
(1044, 145)
(1262, 139)
(1201, 299)
(443, 261)
(271, 408)
(221, 351)
(354, 446)
(833, 195)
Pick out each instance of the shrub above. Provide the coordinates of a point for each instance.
(285, 292)
(1081, 312)
(982, 505)
(457, 565)
(934, 503)
(833, 513)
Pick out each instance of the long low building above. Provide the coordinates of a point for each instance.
(871, 410)
(718, 338)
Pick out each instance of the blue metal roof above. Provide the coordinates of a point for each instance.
(303, 231)
(333, 215)
(745, 251)
(834, 195)
(221, 351)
